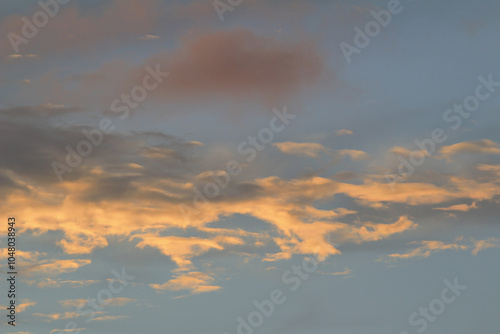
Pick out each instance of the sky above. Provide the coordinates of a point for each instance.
(251, 166)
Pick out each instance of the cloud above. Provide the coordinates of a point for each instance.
(73, 28)
(427, 248)
(343, 132)
(72, 303)
(236, 63)
(50, 283)
(56, 267)
(417, 193)
(24, 305)
(79, 243)
(483, 146)
(310, 150)
(18, 56)
(110, 317)
(196, 282)
(120, 21)
(354, 154)
(118, 301)
(346, 272)
(28, 256)
(373, 232)
(495, 169)
(140, 180)
(57, 316)
(480, 245)
(78, 330)
(149, 37)
(32, 144)
(402, 151)
(113, 302)
(459, 207)
(181, 249)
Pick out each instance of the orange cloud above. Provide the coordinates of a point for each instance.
(459, 207)
(57, 316)
(118, 301)
(354, 154)
(398, 150)
(24, 305)
(147, 208)
(373, 232)
(56, 267)
(71, 303)
(480, 245)
(310, 150)
(196, 282)
(78, 330)
(346, 272)
(343, 132)
(181, 249)
(427, 248)
(483, 146)
(28, 256)
(50, 283)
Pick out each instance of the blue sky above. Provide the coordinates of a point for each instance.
(206, 158)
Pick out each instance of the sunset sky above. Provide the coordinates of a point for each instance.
(345, 154)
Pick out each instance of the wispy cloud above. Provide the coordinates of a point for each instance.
(343, 132)
(195, 282)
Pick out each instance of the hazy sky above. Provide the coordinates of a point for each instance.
(302, 167)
